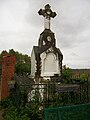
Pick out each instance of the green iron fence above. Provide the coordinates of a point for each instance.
(75, 112)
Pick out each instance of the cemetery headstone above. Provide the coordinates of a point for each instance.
(46, 58)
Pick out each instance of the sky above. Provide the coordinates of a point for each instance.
(20, 27)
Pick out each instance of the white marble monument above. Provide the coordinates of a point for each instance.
(46, 58)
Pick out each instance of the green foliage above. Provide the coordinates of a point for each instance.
(66, 74)
(83, 76)
(12, 113)
(7, 102)
(23, 64)
(26, 111)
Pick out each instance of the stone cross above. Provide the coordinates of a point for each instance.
(47, 14)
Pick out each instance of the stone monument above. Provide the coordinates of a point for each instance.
(46, 58)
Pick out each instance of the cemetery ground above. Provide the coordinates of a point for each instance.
(16, 107)
(43, 95)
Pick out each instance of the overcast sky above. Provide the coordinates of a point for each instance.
(20, 27)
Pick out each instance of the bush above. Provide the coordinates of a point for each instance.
(27, 111)
(66, 74)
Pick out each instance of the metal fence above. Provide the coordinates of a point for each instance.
(52, 94)
(76, 112)
(47, 96)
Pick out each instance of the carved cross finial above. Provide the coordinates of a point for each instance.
(47, 14)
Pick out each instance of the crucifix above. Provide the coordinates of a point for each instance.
(47, 14)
